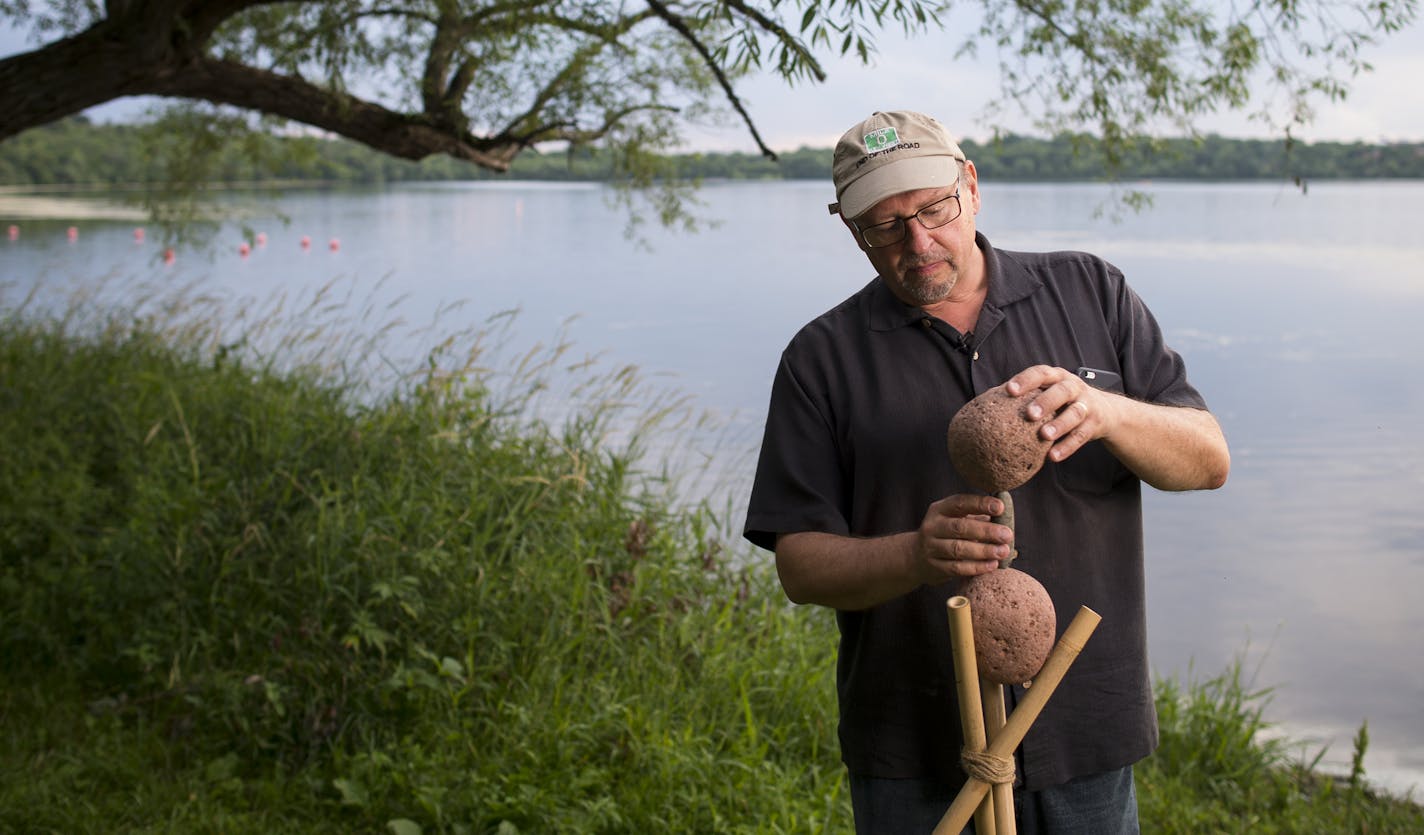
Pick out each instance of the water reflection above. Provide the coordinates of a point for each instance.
(1299, 317)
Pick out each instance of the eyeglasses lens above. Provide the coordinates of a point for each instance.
(933, 216)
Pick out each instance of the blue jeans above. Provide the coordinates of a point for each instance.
(1099, 804)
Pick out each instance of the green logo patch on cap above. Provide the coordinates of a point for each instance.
(881, 139)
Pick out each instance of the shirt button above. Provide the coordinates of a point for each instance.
(976, 355)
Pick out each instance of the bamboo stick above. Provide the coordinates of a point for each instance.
(1048, 679)
(1003, 793)
(971, 711)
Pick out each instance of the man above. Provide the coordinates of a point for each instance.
(857, 496)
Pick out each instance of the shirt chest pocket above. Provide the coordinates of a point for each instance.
(1092, 469)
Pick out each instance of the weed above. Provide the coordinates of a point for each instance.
(261, 575)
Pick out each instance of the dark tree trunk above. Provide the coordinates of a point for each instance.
(151, 50)
(68, 76)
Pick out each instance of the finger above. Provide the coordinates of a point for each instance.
(969, 529)
(1071, 442)
(1035, 376)
(1070, 419)
(967, 504)
(973, 568)
(959, 554)
(966, 538)
(1054, 398)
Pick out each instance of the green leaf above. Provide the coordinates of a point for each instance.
(452, 668)
(352, 792)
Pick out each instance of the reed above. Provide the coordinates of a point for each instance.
(268, 568)
(1221, 769)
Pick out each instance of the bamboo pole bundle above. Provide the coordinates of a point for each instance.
(971, 713)
(1003, 793)
(971, 796)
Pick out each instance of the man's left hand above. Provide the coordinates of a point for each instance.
(1080, 412)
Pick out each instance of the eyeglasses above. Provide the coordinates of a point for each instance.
(943, 211)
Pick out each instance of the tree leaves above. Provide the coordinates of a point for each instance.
(485, 80)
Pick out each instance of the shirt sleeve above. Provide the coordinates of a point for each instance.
(800, 484)
(1152, 371)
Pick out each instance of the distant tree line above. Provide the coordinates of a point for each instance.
(75, 152)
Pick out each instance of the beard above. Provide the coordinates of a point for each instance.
(927, 291)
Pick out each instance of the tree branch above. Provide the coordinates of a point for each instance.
(398, 134)
(788, 41)
(680, 26)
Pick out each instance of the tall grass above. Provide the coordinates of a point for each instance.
(248, 590)
(432, 606)
(1220, 769)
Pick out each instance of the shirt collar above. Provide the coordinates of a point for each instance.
(1008, 283)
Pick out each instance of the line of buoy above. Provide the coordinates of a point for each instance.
(140, 234)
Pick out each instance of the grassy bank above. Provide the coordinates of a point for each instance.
(246, 593)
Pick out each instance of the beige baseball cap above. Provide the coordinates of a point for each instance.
(891, 153)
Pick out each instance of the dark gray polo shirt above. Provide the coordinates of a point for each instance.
(855, 445)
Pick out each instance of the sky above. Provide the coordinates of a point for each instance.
(1386, 105)
(921, 73)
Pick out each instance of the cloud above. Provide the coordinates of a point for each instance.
(922, 73)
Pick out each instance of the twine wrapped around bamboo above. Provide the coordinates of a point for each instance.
(971, 714)
(1064, 653)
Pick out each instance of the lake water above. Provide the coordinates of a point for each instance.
(1301, 317)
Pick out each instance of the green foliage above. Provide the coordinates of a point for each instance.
(248, 590)
(481, 82)
(1129, 72)
(429, 607)
(487, 82)
(1219, 770)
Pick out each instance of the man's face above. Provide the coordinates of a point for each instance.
(925, 267)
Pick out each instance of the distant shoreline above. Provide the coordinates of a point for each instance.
(36, 207)
(73, 153)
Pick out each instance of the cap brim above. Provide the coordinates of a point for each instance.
(897, 178)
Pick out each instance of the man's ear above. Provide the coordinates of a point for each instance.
(970, 181)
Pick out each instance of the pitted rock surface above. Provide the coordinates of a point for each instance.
(993, 445)
(1014, 625)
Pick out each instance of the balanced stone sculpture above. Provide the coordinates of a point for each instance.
(1002, 623)
(994, 445)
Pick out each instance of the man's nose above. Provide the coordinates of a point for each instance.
(917, 237)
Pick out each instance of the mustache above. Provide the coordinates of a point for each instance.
(925, 260)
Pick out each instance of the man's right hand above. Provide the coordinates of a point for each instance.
(956, 539)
